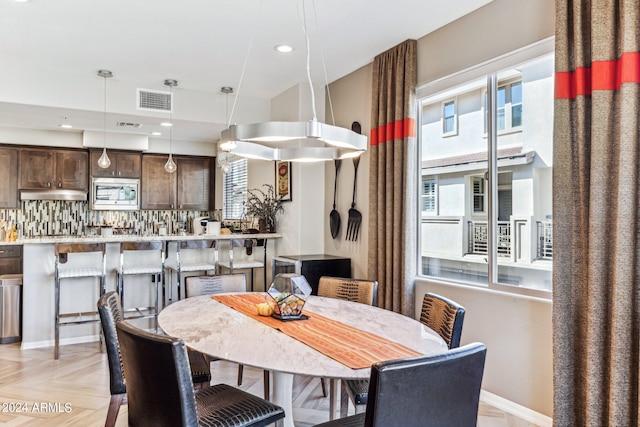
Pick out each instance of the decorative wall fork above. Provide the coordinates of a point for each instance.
(355, 217)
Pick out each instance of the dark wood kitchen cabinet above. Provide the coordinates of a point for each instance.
(62, 169)
(123, 164)
(188, 188)
(9, 178)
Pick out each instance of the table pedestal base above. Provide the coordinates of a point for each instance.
(283, 395)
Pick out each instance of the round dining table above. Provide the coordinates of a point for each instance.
(215, 329)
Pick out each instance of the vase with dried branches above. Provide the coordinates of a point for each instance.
(264, 205)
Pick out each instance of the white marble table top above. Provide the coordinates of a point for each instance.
(215, 329)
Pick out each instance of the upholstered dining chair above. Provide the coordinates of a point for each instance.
(356, 290)
(211, 285)
(443, 316)
(425, 391)
(110, 311)
(161, 393)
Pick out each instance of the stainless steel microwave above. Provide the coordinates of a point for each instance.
(114, 194)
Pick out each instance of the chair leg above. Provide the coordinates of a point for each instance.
(332, 398)
(323, 382)
(56, 345)
(265, 381)
(116, 401)
(344, 400)
(240, 371)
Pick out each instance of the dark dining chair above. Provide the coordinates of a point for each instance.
(441, 314)
(160, 392)
(110, 311)
(425, 391)
(355, 290)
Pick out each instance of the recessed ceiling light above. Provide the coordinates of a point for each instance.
(64, 125)
(166, 124)
(283, 48)
(156, 133)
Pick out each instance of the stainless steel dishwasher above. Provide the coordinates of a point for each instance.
(10, 293)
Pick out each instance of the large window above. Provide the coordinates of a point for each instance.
(492, 226)
(234, 190)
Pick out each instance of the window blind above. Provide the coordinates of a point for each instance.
(234, 190)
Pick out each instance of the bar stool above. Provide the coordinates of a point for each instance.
(78, 270)
(232, 265)
(181, 266)
(146, 263)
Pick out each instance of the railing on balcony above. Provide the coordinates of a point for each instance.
(479, 234)
(544, 239)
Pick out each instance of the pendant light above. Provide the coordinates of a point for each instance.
(104, 161)
(273, 140)
(223, 156)
(170, 166)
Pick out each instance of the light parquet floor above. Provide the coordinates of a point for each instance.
(36, 390)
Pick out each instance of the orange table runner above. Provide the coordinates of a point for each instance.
(350, 346)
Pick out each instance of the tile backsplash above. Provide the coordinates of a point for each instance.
(54, 217)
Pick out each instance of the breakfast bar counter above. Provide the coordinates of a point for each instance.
(39, 279)
(117, 238)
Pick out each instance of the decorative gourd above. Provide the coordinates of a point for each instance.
(264, 309)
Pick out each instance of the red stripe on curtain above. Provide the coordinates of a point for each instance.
(602, 75)
(399, 129)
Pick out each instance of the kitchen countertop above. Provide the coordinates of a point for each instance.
(136, 238)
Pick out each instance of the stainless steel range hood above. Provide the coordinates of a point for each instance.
(55, 194)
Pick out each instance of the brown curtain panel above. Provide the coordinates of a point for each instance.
(596, 313)
(392, 177)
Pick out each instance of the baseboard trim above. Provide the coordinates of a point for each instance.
(65, 341)
(515, 409)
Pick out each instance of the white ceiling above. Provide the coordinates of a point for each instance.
(50, 52)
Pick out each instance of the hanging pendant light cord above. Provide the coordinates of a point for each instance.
(244, 65)
(324, 65)
(104, 116)
(308, 60)
(170, 120)
(306, 36)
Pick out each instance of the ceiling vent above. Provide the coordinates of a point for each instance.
(128, 125)
(154, 100)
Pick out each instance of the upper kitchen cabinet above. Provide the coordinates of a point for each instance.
(9, 178)
(123, 164)
(187, 189)
(62, 169)
(194, 176)
(158, 188)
